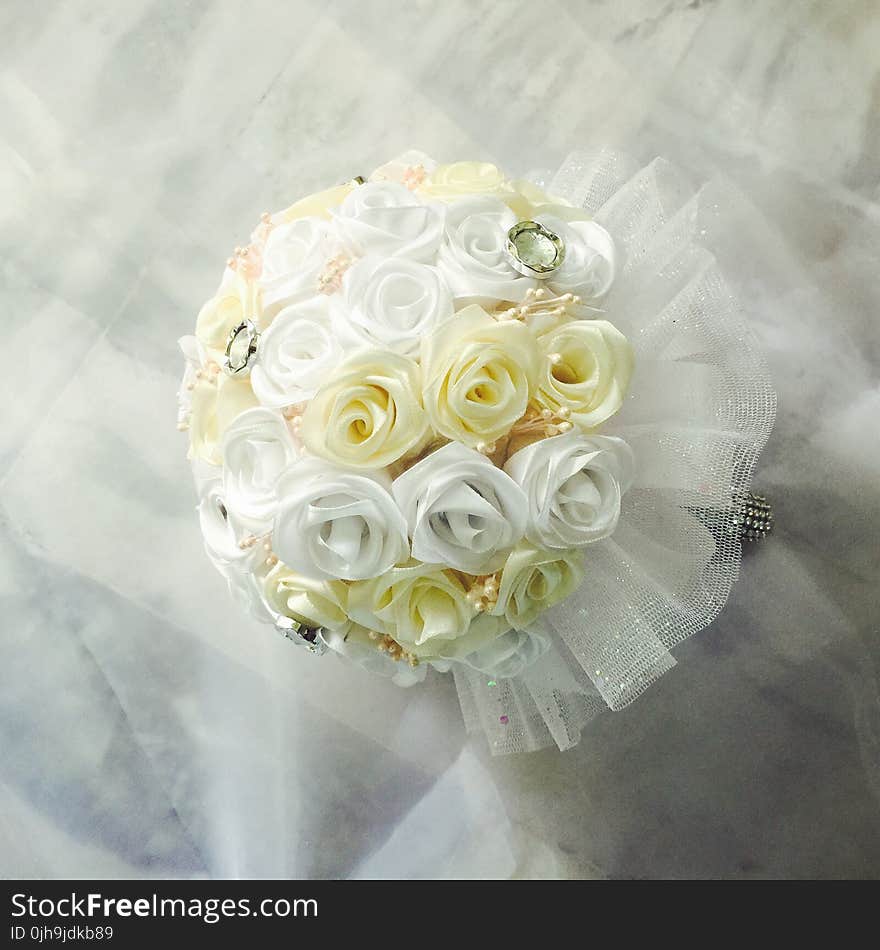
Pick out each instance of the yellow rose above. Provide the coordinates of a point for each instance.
(533, 580)
(313, 603)
(235, 302)
(216, 401)
(527, 200)
(459, 179)
(317, 205)
(369, 413)
(478, 375)
(424, 608)
(587, 368)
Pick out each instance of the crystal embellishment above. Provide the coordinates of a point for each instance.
(534, 250)
(241, 348)
(309, 637)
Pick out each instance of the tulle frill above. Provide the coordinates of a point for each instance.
(699, 411)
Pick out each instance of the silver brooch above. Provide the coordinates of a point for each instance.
(312, 638)
(534, 250)
(241, 348)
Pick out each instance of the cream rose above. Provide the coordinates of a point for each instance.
(234, 302)
(460, 509)
(425, 608)
(311, 602)
(293, 258)
(257, 448)
(216, 400)
(587, 370)
(448, 182)
(573, 484)
(337, 524)
(387, 219)
(528, 200)
(392, 302)
(589, 265)
(473, 259)
(296, 354)
(478, 376)
(369, 413)
(533, 580)
(509, 654)
(318, 204)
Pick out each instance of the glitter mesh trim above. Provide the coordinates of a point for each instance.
(700, 410)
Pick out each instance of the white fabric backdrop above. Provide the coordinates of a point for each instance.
(146, 730)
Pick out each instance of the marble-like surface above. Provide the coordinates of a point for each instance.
(146, 729)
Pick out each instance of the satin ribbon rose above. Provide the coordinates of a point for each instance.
(357, 646)
(216, 400)
(387, 219)
(459, 179)
(478, 376)
(473, 259)
(509, 654)
(369, 413)
(222, 531)
(533, 580)
(317, 205)
(425, 608)
(296, 354)
(308, 601)
(587, 370)
(337, 524)
(392, 302)
(589, 265)
(257, 448)
(294, 256)
(573, 484)
(236, 300)
(460, 509)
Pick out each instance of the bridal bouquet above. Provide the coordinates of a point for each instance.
(443, 418)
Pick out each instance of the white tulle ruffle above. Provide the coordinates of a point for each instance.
(699, 410)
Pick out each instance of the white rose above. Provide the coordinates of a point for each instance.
(257, 448)
(222, 531)
(356, 646)
(508, 655)
(247, 591)
(296, 354)
(293, 258)
(392, 302)
(589, 264)
(461, 510)
(336, 524)
(387, 219)
(473, 259)
(573, 484)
